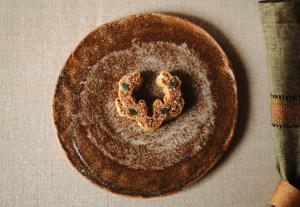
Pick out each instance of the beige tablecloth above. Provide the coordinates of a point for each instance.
(36, 38)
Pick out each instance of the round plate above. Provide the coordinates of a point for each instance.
(113, 152)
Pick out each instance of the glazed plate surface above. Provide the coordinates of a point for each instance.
(113, 152)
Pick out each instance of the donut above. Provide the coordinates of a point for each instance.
(171, 106)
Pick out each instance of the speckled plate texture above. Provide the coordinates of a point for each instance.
(113, 152)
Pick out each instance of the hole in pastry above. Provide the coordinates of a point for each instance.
(149, 91)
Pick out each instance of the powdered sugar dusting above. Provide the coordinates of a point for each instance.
(122, 140)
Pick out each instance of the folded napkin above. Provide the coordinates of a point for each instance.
(281, 26)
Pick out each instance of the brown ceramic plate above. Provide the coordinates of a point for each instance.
(115, 153)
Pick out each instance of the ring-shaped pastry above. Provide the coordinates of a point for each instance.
(170, 107)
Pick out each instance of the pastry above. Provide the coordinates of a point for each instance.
(170, 107)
